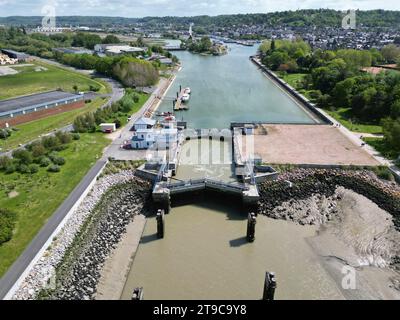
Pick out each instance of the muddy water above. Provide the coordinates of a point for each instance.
(204, 255)
(204, 158)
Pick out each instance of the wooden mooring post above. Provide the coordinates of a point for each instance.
(160, 223)
(137, 294)
(251, 227)
(269, 286)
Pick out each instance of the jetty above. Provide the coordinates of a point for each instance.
(179, 103)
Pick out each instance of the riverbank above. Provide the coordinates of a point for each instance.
(116, 267)
(358, 222)
(300, 100)
(161, 92)
(93, 254)
(47, 275)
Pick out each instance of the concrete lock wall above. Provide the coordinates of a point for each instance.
(293, 93)
(19, 119)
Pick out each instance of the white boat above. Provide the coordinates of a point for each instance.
(185, 97)
(188, 91)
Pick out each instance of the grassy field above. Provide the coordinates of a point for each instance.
(30, 80)
(344, 117)
(380, 146)
(123, 116)
(32, 130)
(294, 79)
(40, 194)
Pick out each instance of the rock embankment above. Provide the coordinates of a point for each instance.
(280, 197)
(78, 274)
(42, 274)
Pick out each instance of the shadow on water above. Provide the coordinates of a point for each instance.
(148, 238)
(238, 242)
(230, 205)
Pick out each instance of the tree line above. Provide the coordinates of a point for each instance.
(300, 18)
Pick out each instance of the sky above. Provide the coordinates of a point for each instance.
(142, 8)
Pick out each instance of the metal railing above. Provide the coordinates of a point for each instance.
(204, 182)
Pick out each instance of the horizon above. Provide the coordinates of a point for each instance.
(138, 9)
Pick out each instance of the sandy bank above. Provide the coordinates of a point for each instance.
(353, 230)
(117, 265)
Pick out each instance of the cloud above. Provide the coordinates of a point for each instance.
(140, 8)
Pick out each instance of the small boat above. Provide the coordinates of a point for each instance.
(166, 114)
(170, 118)
(185, 97)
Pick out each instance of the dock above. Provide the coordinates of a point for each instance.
(179, 104)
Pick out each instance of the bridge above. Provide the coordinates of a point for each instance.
(203, 184)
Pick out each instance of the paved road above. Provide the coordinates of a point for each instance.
(19, 266)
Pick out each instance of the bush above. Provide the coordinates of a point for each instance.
(4, 134)
(64, 137)
(135, 98)
(23, 168)
(54, 168)
(44, 162)
(94, 88)
(4, 162)
(59, 161)
(52, 155)
(33, 168)
(50, 142)
(10, 168)
(118, 123)
(60, 147)
(24, 156)
(38, 150)
(7, 224)
(76, 136)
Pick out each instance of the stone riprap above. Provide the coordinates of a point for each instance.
(42, 274)
(79, 272)
(301, 184)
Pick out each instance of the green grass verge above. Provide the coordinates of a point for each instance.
(343, 115)
(29, 81)
(40, 194)
(123, 116)
(381, 146)
(32, 130)
(293, 79)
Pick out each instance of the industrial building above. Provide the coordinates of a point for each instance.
(20, 56)
(73, 50)
(116, 49)
(36, 106)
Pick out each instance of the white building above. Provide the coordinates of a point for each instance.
(116, 49)
(146, 135)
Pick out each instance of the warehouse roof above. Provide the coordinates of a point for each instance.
(36, 100)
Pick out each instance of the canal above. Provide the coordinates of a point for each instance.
(230, 88)
(204, 254)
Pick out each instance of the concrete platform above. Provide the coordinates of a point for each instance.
(307, 144)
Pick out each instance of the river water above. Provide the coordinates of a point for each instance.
(204, 254)
(230, 88)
